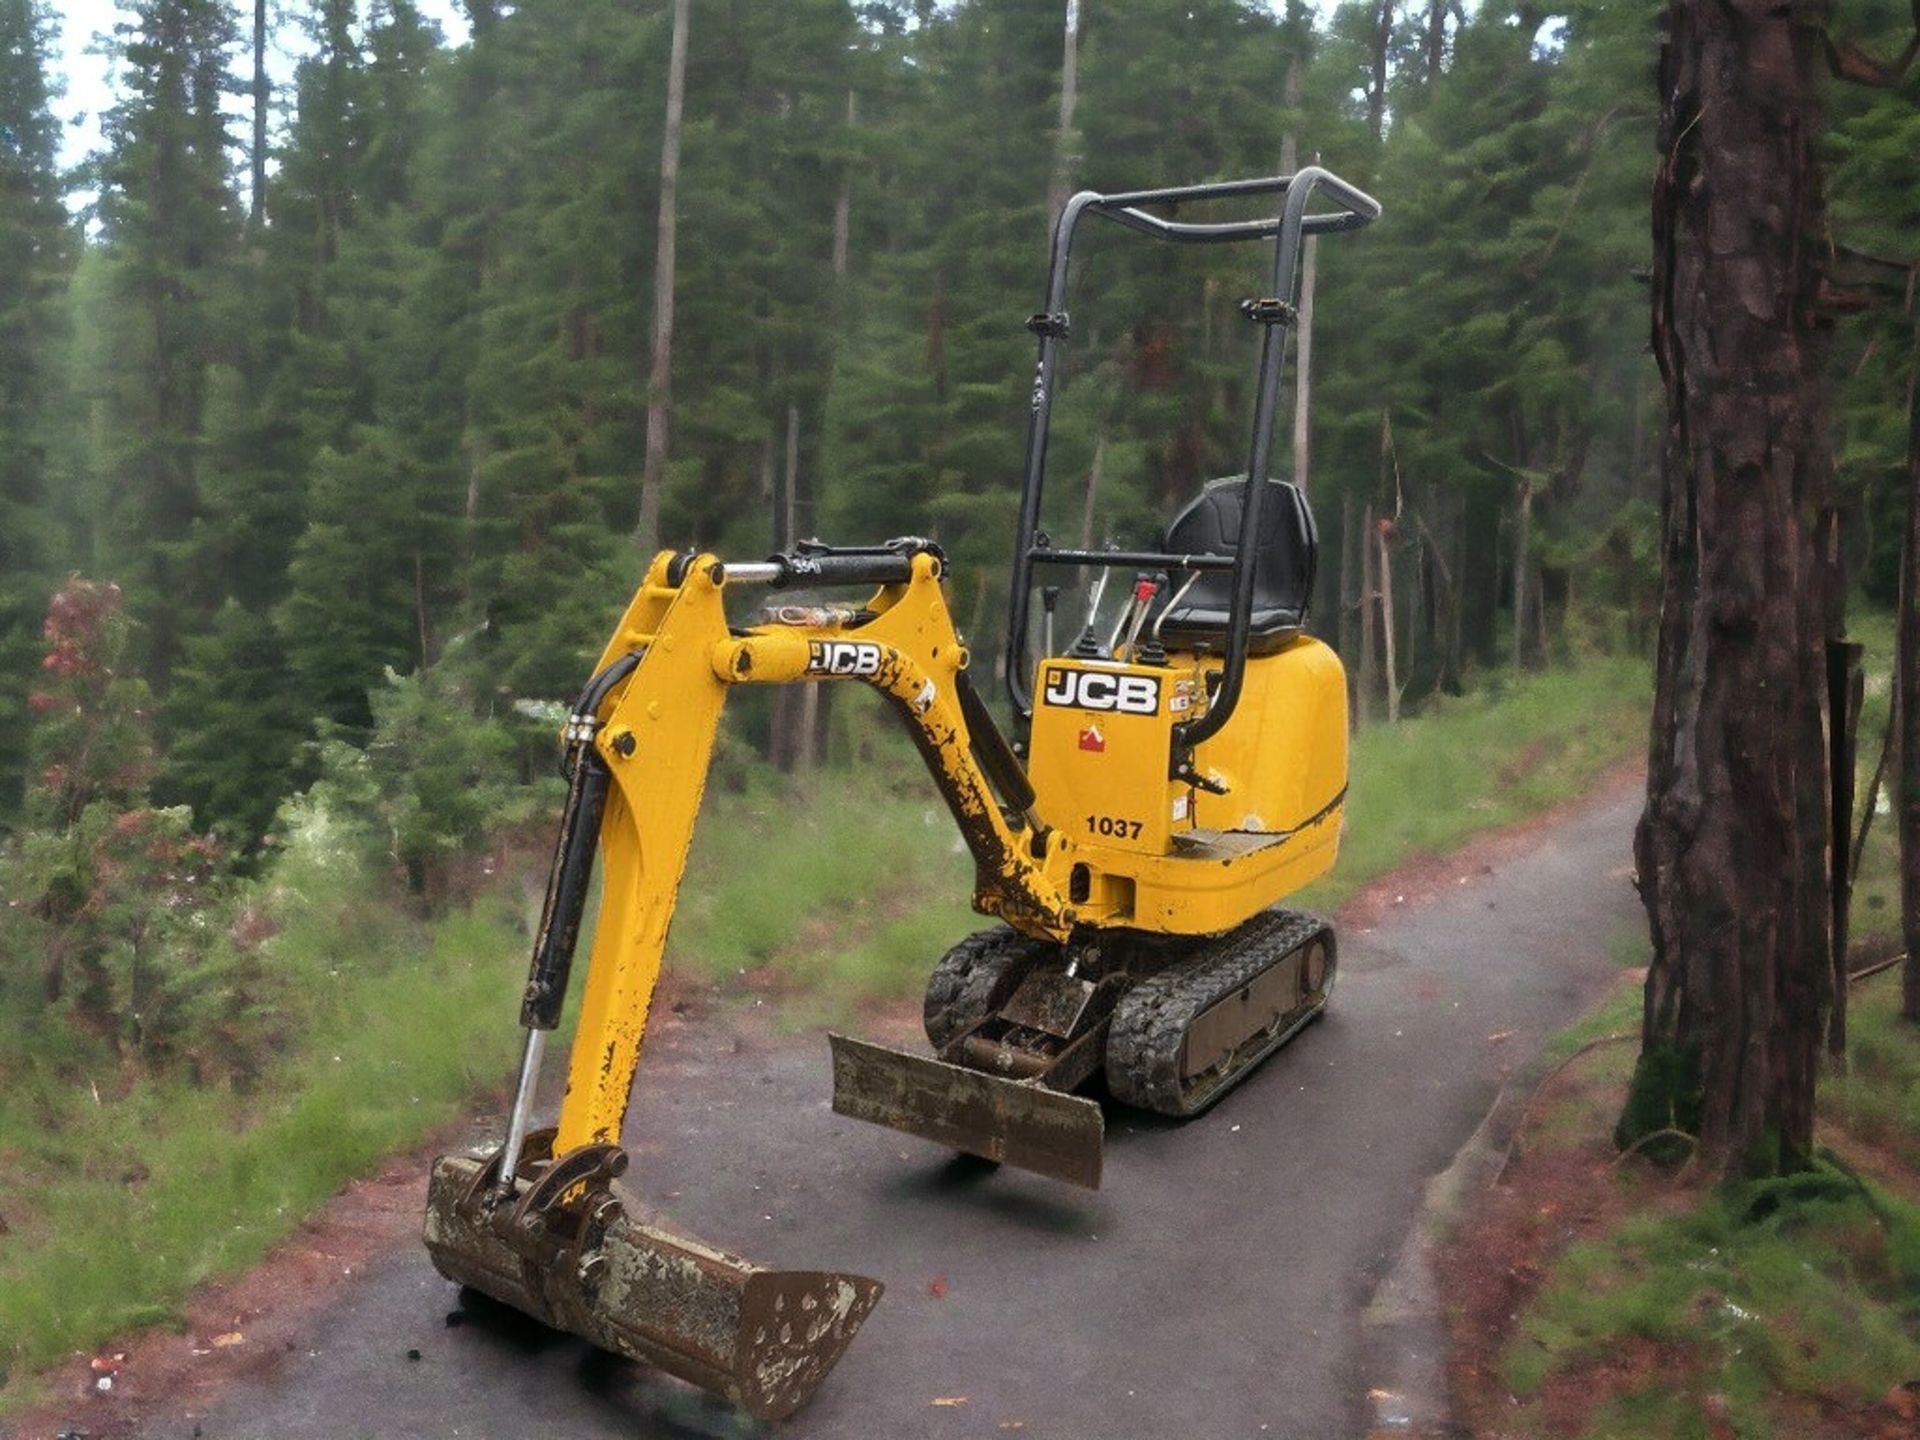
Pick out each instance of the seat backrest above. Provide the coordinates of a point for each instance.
(1283, 558)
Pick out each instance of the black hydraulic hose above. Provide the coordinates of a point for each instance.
(990, 748)
(588, 780)
(567, 884)
(584, 717)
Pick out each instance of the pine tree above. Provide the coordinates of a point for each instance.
(172, 222)
(35, 256)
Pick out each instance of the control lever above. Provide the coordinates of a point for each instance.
(1087, 647)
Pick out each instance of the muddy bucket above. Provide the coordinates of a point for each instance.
(1020, 1122)
(762, 1338)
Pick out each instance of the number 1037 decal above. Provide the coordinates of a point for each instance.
(1117, 826)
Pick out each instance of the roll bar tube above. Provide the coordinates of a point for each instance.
(1354, 209)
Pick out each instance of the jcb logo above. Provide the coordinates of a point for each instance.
(1103, 690)
(842, 657)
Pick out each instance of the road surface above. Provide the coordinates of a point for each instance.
(1212, 1288)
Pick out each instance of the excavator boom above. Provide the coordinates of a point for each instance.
(540, 1224)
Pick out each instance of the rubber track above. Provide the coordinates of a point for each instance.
(976, 977)
(1150, 1024)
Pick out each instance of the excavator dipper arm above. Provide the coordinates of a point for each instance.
(539, 1223)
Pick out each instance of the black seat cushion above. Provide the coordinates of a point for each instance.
(1283, 561)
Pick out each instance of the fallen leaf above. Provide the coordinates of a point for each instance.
(232, 1337)
(937, 1287)
(948, 1402)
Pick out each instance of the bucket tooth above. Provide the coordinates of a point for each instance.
(1020, 1122)
(765, 1339)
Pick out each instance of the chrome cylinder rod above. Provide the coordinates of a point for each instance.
(522, 1107)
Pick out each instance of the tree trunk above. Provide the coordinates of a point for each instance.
(843, 203)
(1522, 569)
(1906, 700)
(1436, 38)
(806, 743)
(257, 202)
(653, 474)
(1732, 847)
(1303, 364)
(1087, 506)
(1377, 83)
(1069, 96)
(781, 722)
(1349, 638)
(1369, 588)
(1383, 573)
(1309, 269)
(1846, 690)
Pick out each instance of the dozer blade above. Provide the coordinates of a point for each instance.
(1020, 1122)
(764, 1339)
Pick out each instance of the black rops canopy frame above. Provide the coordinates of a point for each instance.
(1275, 312)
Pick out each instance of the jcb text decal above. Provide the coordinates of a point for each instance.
(842, 657)
(1103, 690)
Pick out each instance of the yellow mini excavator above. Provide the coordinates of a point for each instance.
(1174, 773)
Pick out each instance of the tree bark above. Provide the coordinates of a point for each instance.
(1062, 180)
(1309, 270)
(1846, 690)
(1377, 82)
(257, 202)
(1732, 846)
(843, 202)
(1089, 503)
(1522, 568)
(806, 743)
(1303, 364)
(653, 474)
(1369, 589)
(1383, 573)
(1382, 595)
(1350, 563)
(1906, 700)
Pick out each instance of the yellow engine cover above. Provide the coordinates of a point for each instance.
(1149, 853)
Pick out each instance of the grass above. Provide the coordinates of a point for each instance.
(1878, 1099)
(840, 894)
(1771, 1298)
(1759, 1303)
(1748, 1310)
(1471, 763)
(120, 1206)
(1876, 895)
(843, 885)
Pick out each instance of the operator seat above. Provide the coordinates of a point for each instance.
(1283, 564)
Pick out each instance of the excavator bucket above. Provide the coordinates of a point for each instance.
(764, 1339)
(1020, 1122)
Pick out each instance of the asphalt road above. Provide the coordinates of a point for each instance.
(1212, 1288)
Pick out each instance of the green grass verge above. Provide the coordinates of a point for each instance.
(126, 1203)
(1762, 1302)
(1751, 1310)
(1470, 763)
(1876, 892)
(1878, 1099)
